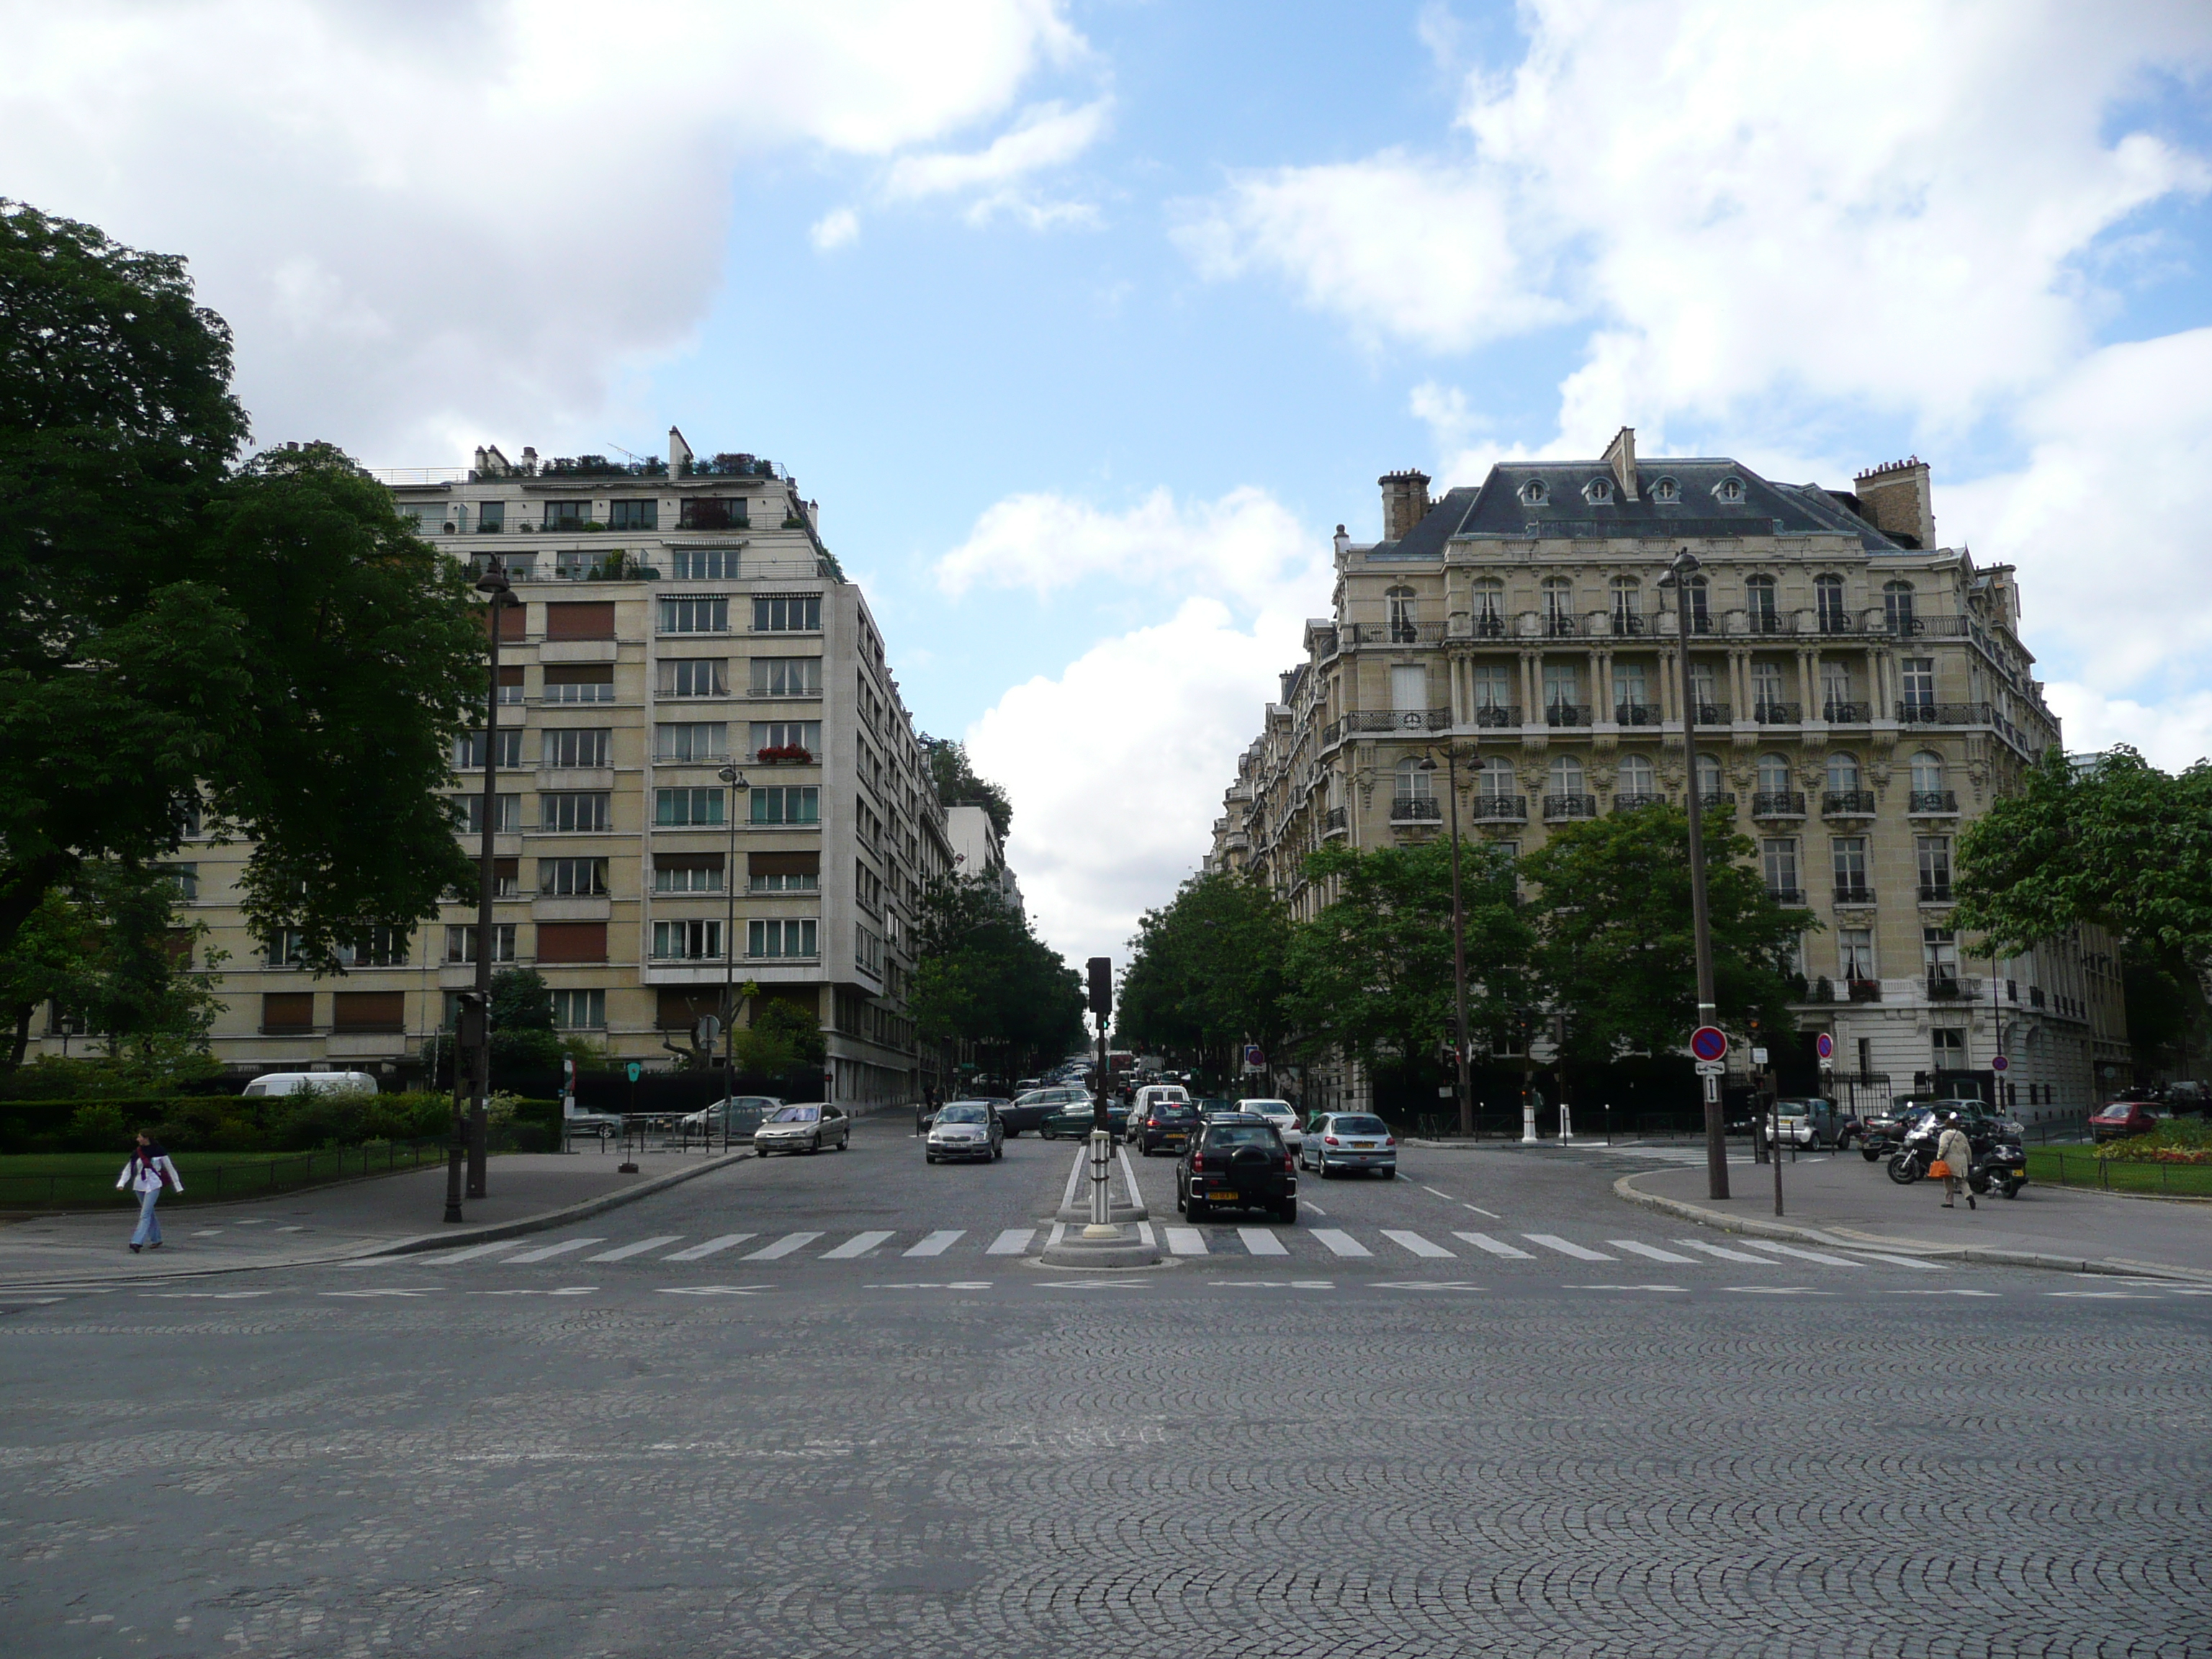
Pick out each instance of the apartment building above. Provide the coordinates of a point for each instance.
(674, 618)
(978, 852)
(1861, 694)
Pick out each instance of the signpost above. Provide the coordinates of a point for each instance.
(2000, 1063)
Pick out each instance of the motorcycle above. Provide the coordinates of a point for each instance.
(1997, 1163)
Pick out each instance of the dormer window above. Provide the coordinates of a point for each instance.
(1665, 490)
(1598, 491)
(1532, 493)
(1729, 491)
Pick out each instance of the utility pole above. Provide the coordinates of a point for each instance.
(494, 585)
(1460, 1045)
(735, 782)
(1678, 572)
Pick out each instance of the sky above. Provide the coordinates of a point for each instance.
(1087, 321)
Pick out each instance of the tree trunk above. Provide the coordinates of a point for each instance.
(23, 1013)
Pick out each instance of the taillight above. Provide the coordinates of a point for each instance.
(1389, 1142)
(1198, 1160)
(1329, 1140)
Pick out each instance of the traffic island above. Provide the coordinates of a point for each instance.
(1101, 1245)
(1112, 1233)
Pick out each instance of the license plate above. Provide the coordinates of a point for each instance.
(1362, 1145)
(1219, 1197)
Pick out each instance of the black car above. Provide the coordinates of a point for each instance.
(1239, 1163)
(1075, 1120)
(1166, 1126)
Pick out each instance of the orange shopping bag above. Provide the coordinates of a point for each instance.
(1939, 1171)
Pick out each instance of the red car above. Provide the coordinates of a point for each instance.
(2121, 1119)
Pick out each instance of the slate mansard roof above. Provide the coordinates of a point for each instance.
(1700, 509)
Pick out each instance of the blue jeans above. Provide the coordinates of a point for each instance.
(149, 1225)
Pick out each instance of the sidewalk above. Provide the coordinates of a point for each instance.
(367, 1216)
(1843, 1200)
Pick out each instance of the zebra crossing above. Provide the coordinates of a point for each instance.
(1380, 1246)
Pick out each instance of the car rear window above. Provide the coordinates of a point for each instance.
(1360, 1126)
(1239, 1135)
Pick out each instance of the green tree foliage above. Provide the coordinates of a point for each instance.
(522, 1035)
(271, 640)
(958, 786)
(2119, 843)
(982, 976)
(784, 1036)
(1371, 975)
(1615, 951)
(1207, 969)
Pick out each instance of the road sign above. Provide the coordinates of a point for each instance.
(1710, 1068)
(635, 1070)
(1759, 1056)
(1825, 1045)
(1709, 1042)
(1253, 1060)
(1999, 1063)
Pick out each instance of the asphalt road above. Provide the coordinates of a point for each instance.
(834, 1405)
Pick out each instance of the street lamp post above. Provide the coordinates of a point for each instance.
(1678, 576)
(494, 585)
(1464, 1083)
(735, 780)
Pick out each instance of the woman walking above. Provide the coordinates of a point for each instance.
(146, 1173)
(1956, 1153)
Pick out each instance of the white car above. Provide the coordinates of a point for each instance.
(1282, 1115)
(803, 1129)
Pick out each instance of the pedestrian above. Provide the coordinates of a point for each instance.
(1956, 1154)
(147, 1173)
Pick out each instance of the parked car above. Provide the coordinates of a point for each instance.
(966, 1129)
(1338, 1141)
(803, 1129)
(2118, 1120)
(1237, 1165)
(301, 1083)
(744, 1113)
(604, 1126)
(1812, 1122)
(1027, 1110)
(1166, 1126)
(1281, 1114)
(1074, 1121)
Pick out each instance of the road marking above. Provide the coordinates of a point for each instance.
(855, 1247)
(1825, 1259)
(782, 1247)
(1129, 1177)
(440, 1259)
(623, 1252)
(710, 1290)
(1902, 1260)
(2104, 1296)
(1185, 1240)
(1094, 1285)
(712, 1247)
(1554, 1242)
(1416, 1243)
(936, 1285)
(429, 1290)
(1726, 1256)
(1424, 1285)
(1074, 1175)
(938, 1243)
(1145, 1231)
(1256, 1284)
(1635, 1248)
(546, 1253)
(1775, 1289)
(291, 1229)
(565, 1289)
(1677, 1289)
(1315, 1207)
(240, 1296)
(1012, 1241)
(1431, 1190)
(1479, 1210)
(1941, 1292)
(1339, 1242)
(1258, 1240)
(1495, 1246)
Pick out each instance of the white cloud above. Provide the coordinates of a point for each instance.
(2173, 734)
(1046, 136)
(834, 229)
(426, 224)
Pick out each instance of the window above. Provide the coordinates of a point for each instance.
(188, 820)
(1403, 631)
(572, 941)
(1828, 601)
(579, 682)
(287, 1011)
(708, 564)
(512, 620)
(368, 1011)
(1767, 689)
(1927, 773)
(185, 878)
(577, 746)
(1490, 607)
(1598, 491)
(1665, 490)
(714, 512)
(693, 677)
(1636, 777)
(1843, 773)
(1773, 775)
(1897, 608)
(286, 947)
(1559, 605)
(461, 942)
(580, 1011)
(682, 809)
(867, 888)
(1758, 600)
(1849, 856)
(506, 882)
(469, 814)
(1933, 853)
(1493, 685)
(1729, 491)
(787, 677)
(1632, 694)
(1414, 783)
(1495, 781)
(1409, 687)
(1701, 619)
(491, 518)
(694, 742)
(375, 947)
(687, 941)
(789, 938)
(1703, 692)
(687, 872)
(1916, 680)
(1779, 858)
(1562, 685)
(786, 872)
(633, 515)
(1711, 785)
(582, 619)
(469, 751)
(779, 739)
(510, 684)
(565, 515)
(1855, 954)
(1565, 775)
(869, 826)
(572, 877)
(1835, 692)
(1948, 1043)
(786, 613)
(867, 951)
(578, 810)
(695, 615)
(1532, 493)
(788, 804)
(1627, 605)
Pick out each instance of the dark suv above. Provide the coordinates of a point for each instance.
(1237, 1164)
(1168, 1126)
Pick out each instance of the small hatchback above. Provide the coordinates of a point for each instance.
(966, 1128)
(1338, 1141)
(2122, 1119)
(1166, 1126)
(802, 1129)
(1237, 1164)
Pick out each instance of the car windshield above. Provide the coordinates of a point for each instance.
(965, 1114)
(1175, 1111)
(1355, 1124)
(1239, 1135)
(1266, 1108)
(794, 1114)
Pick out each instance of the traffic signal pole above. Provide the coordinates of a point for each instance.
(1716, 1177)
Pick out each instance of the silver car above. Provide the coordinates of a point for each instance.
(1337, 1141)
(803, 1129)
(1281, 1114)
(966, 1128)
(745, 1113)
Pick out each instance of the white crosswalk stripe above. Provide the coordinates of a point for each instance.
(1825, 1259)
(782, 1247)
(623, 1252)
(712, 1247)
(1184, 1241)
(546, 1253)
(446, 1258)
(1416, 1243)
(1258, 1240)
(1012, 1241)
(1339, 1242)
(1636, 1248)
(938, 1243)
(1554, 1242)
(1903, 1260)
(1727, 1254)
(1495, 1246)
(855, 1247)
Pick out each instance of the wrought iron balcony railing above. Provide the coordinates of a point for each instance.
(1777, 714)
(1559, 807)
(1566, 713)
(1416, 809)
(1932, 801)
(1777, 804)
(1849, 892)
(1635, 713)
(1501, 809)
(1847, 803)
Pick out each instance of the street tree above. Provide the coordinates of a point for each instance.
(266, 646)
(982, 976)
(1207, 969)
(958, 784)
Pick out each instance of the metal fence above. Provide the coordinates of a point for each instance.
(2113, 1175)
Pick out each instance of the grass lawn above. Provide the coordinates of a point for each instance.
(87, 1180)
(2081, 1168)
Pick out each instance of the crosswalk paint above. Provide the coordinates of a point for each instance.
(1554, 1242)
(712, 1247)
(1012, 1241)
(1725, 1254)
(1652, 1251)
(1260, 1242)
(1820, 1256)
(938, 1243)
(1339, 1242)
(855, 1247)
(1416, 1243)
(444, 1258)
(623, 1252)
(1905, 1261)
(1495, 1246)
(782, 1247)
(546, 1253)
(1184, 1241)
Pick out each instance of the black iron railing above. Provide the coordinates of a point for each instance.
(1777, 804)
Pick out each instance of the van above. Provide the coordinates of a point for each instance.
(292, 1083)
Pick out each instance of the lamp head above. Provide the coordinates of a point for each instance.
(730, 775)
(494, 581)
(1684, 565)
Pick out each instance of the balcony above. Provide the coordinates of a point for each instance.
(1501, 809)
(1497, 715)
(1567, 714)
(1790, 897)
(1398, 720)
(1926, 802)
(1559, 808)
(1333, 823)
(1847, 803)
(1416, 809)
(1942, 713)
(1559, 627)
(1483, 626)
(1779, 713)
(1777, 804)
(1637, 803)
(1713, 713)
(1846, 714)
(1935, 892)
(1848, 892)
(1635, 713)
(1766, 622)
(1627, 621)
(1949, 987)
(1717, 801)
(1863, 990)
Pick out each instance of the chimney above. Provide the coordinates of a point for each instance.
(679, 454)
(1620, 456)
(1897, 501)
(1343, 542)
(1405, 502)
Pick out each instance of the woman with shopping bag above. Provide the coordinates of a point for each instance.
(147, 1173)
(1954, 1162)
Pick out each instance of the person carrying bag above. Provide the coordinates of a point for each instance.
(1954, 1162)
(147, 1174)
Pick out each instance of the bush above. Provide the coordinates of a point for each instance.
(98, 1125)
(2176, 1140)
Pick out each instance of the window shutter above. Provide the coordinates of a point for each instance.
(513, 622)
(572, 941)
(784, 864)
(287, 1011)
(368, 1011)
(680, 1009)
(580, 620)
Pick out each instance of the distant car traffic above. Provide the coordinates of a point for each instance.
(803, 1129)
(2119, 1118)
(1341, 1141)
(1027, 1110)
(1281, 1114)
(966, 1129)
(1240, 1163)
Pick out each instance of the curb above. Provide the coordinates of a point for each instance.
(1625, 1189)
(459, 1237)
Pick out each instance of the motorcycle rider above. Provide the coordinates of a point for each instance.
(1956, 1153)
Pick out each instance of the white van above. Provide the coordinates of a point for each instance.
(292, 1083)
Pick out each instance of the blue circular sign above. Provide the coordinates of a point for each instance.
(1709, 1042)
(1999, 1063)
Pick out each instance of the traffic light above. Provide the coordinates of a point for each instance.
(1101, 985)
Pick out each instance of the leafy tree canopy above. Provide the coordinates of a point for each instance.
(958, 786)
(982, 976)
(1208, 968)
